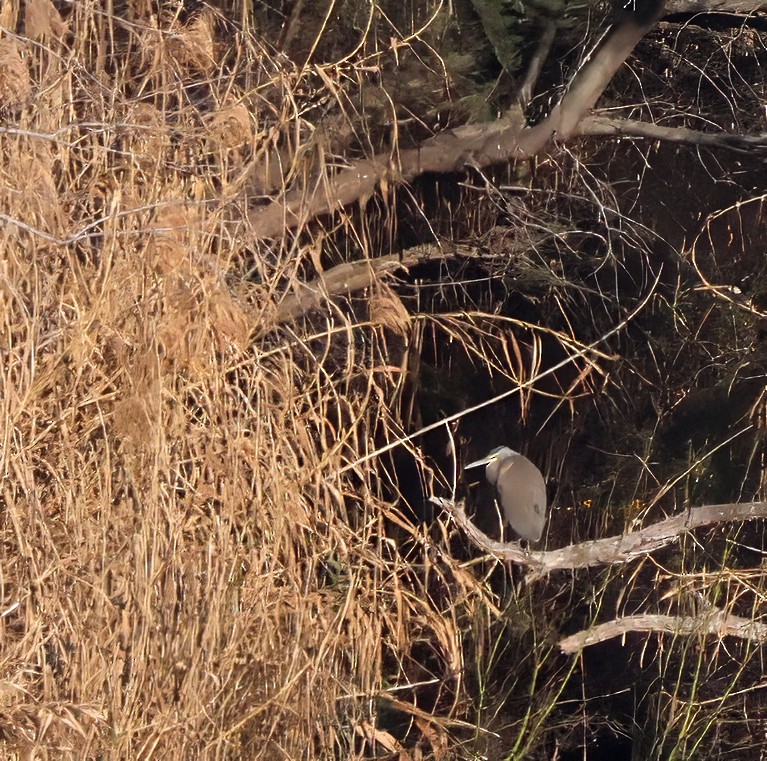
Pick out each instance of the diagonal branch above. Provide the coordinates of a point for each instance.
(715, 622)
(451, 151)
(351, 277)
(608, 551)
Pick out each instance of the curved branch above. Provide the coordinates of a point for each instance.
(595, 75)
(716, 622)
(608, 551)
(508, 138)
(350, 277)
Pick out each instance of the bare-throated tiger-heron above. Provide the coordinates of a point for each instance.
(520, 489)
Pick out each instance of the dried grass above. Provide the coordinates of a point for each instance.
(200, 557)
(183, 573)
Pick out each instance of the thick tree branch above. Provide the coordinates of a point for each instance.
(351, 277)
(451, 151)
(740, 7)
(715, 622)
(503, 140)
(479, 145)
(595, 75)
(612, 550)
(476, 145)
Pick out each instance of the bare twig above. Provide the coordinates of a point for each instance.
(613, 127)
(536, 64)
(585, 351)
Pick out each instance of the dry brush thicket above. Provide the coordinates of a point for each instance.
(183, 575)
(201, 555)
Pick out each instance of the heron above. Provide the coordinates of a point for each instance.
(520, 488)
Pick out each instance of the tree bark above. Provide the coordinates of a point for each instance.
(611, 550)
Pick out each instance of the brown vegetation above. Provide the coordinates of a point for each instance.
(228, 390)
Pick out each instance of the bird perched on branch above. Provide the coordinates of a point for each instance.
(520, 489)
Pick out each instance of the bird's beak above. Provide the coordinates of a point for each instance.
(477, 463)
